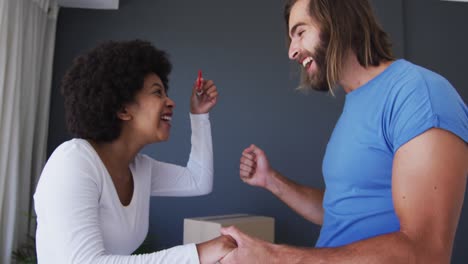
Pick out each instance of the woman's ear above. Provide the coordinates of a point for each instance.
(123, 114)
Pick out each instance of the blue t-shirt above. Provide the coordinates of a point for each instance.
(397, 105)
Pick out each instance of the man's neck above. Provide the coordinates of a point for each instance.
(355, 75)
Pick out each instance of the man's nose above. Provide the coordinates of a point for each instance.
(293, 51)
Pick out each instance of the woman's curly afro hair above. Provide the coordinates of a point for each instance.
(101, 82)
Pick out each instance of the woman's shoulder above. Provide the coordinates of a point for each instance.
(75, 149)
(75, 156)
(72, 164)
(142, 160)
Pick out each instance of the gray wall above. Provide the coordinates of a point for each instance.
(241, 45)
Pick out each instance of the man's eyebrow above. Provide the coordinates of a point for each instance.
(294, 28)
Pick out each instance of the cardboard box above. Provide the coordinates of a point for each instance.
(201, 229)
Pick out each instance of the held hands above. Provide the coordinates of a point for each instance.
(249, 249)
(212, 251)
(203, 101)
(255, 168)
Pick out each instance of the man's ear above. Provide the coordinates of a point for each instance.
(123, 114)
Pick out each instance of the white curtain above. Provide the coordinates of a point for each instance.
(27, 37)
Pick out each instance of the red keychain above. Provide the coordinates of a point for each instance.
(199, 83)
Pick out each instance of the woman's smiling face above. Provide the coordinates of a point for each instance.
(151, 112)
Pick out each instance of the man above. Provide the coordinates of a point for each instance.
(395, 167)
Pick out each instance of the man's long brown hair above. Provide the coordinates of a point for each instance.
(347, 25)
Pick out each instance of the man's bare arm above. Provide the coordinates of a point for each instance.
(428, 184)
(304, 200)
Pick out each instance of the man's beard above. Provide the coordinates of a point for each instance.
(318, 80)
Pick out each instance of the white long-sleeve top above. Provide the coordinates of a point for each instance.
(79, 214)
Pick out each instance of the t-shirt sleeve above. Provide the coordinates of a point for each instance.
(67, 208)
(194, 179)
(426, 103)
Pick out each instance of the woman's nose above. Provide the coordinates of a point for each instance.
(170, 103)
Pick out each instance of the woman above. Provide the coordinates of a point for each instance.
(92, 200)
